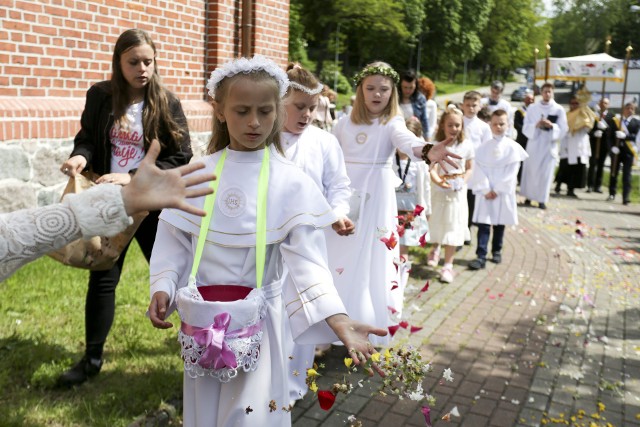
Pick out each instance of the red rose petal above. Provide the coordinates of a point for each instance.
(404, 324)
(393, 329)
(425, 288)
(326, 399)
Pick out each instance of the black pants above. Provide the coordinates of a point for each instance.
(625, 162)
(471, 202)
(100, 305)
(596, 167)
(484, 231)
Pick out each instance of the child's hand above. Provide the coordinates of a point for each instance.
(491, 195)
(158, 310)
(355, 336)
(439, 154)
(444, 184)
(343, 226)
(114, 178)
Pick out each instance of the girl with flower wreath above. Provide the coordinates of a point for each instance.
(319, 155)
(363, 263)
(265, 213)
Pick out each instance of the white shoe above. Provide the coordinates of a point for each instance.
(434, 258)
(446, 275)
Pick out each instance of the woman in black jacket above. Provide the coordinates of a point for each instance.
(120, 119)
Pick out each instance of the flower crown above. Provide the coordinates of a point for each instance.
(374, 70)
(308, 91)
(248, 66)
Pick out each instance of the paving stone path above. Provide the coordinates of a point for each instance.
(549, 337)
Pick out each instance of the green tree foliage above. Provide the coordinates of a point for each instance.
(297, 39)
(580, 27)
(452, 32)
(369, 29)
(446, 33)
(514, 30)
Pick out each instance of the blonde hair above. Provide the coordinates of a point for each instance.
(360, 114)
(451, 110)
(220, 137)
(414, 125)
(300, 75)
(472, 95)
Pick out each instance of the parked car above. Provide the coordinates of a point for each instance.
(518, 94)
(560, 83)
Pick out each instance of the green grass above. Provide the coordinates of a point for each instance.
(42, 334)
(443, 88)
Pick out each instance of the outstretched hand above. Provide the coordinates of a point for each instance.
(152, 188)
(440, 155)
(355, 336)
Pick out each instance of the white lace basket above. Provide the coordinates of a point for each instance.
(221, 324)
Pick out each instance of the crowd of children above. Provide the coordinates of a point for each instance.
(308, 224)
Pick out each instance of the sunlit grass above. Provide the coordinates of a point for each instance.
(42, 334)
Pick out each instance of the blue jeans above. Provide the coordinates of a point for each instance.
(484, 230)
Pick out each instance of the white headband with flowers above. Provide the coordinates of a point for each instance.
(308, 91)
(248, 66)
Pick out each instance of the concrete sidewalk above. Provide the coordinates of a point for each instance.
(541, 339)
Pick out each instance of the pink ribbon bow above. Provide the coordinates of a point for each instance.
(217, 354)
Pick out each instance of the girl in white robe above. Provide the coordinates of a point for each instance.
(544, 124)
(318, 154)
(362, 264)
(450, 211)
(247, 118)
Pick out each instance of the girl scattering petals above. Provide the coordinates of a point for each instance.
(369, 138)
(253, 230)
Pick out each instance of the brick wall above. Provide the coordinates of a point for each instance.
(52, 51)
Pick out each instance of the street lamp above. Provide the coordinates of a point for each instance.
(335, 72)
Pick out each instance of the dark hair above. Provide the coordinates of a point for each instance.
(156, 104)
(409, 76)
(546, 85)
(484, 114)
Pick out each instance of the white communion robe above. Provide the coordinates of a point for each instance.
(578, 146)
(361, 265)
(496, 168)
(295, 212)
(318, 153)
(476, 131)
(542, 148)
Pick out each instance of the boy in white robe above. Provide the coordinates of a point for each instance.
(544, 124)
(477, 131)
(494, 182)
